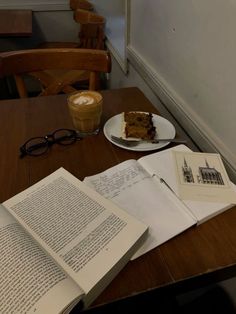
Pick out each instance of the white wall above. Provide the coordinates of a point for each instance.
(187, 51)
(115, 14)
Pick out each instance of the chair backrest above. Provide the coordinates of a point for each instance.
(18, 63)
(92, 29)
(85, 17)
(81, 4)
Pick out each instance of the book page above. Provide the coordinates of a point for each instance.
(80, 229)
(202, 176)
(162, 164)
(130, 186)
(30, 282)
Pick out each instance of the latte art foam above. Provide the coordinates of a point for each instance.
(85, 109)
(83, 100)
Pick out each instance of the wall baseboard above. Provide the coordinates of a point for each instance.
(122, 62)
(194, 126)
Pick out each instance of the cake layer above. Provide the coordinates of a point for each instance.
(139, 125)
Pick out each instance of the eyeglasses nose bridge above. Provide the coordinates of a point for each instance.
(50, 138)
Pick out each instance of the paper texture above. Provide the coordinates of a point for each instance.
(131, 187)
(148, 189)
(202, 177)
(162, 163)
(89, 237)
(31, 282)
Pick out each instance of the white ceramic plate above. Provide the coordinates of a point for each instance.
(164, 129)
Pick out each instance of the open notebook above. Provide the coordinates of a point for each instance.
(147, 189)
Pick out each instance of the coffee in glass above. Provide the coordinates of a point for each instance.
(85, 109)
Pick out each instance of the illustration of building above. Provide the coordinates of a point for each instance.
(187, 173)
(209, 175)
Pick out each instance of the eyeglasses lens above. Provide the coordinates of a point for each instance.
(64, 136)
(36, 146)
(39, 145)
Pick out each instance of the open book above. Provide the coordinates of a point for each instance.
(147, 188)
(61, 243)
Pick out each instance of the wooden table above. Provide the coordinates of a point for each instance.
(15, 23)
(198, 256)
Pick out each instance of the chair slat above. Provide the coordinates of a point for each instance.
(41, 61)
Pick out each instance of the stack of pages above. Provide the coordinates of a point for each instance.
(61, 244)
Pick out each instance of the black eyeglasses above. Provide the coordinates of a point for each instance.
(37, 146)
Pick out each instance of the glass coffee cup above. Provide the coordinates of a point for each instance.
(85, 108)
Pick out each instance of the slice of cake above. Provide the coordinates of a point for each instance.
(139, 125)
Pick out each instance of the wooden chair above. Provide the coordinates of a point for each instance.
(92, 29)
(74, 5)
(81, 4)
(91, 33)
(19, 63)
(91, 36)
